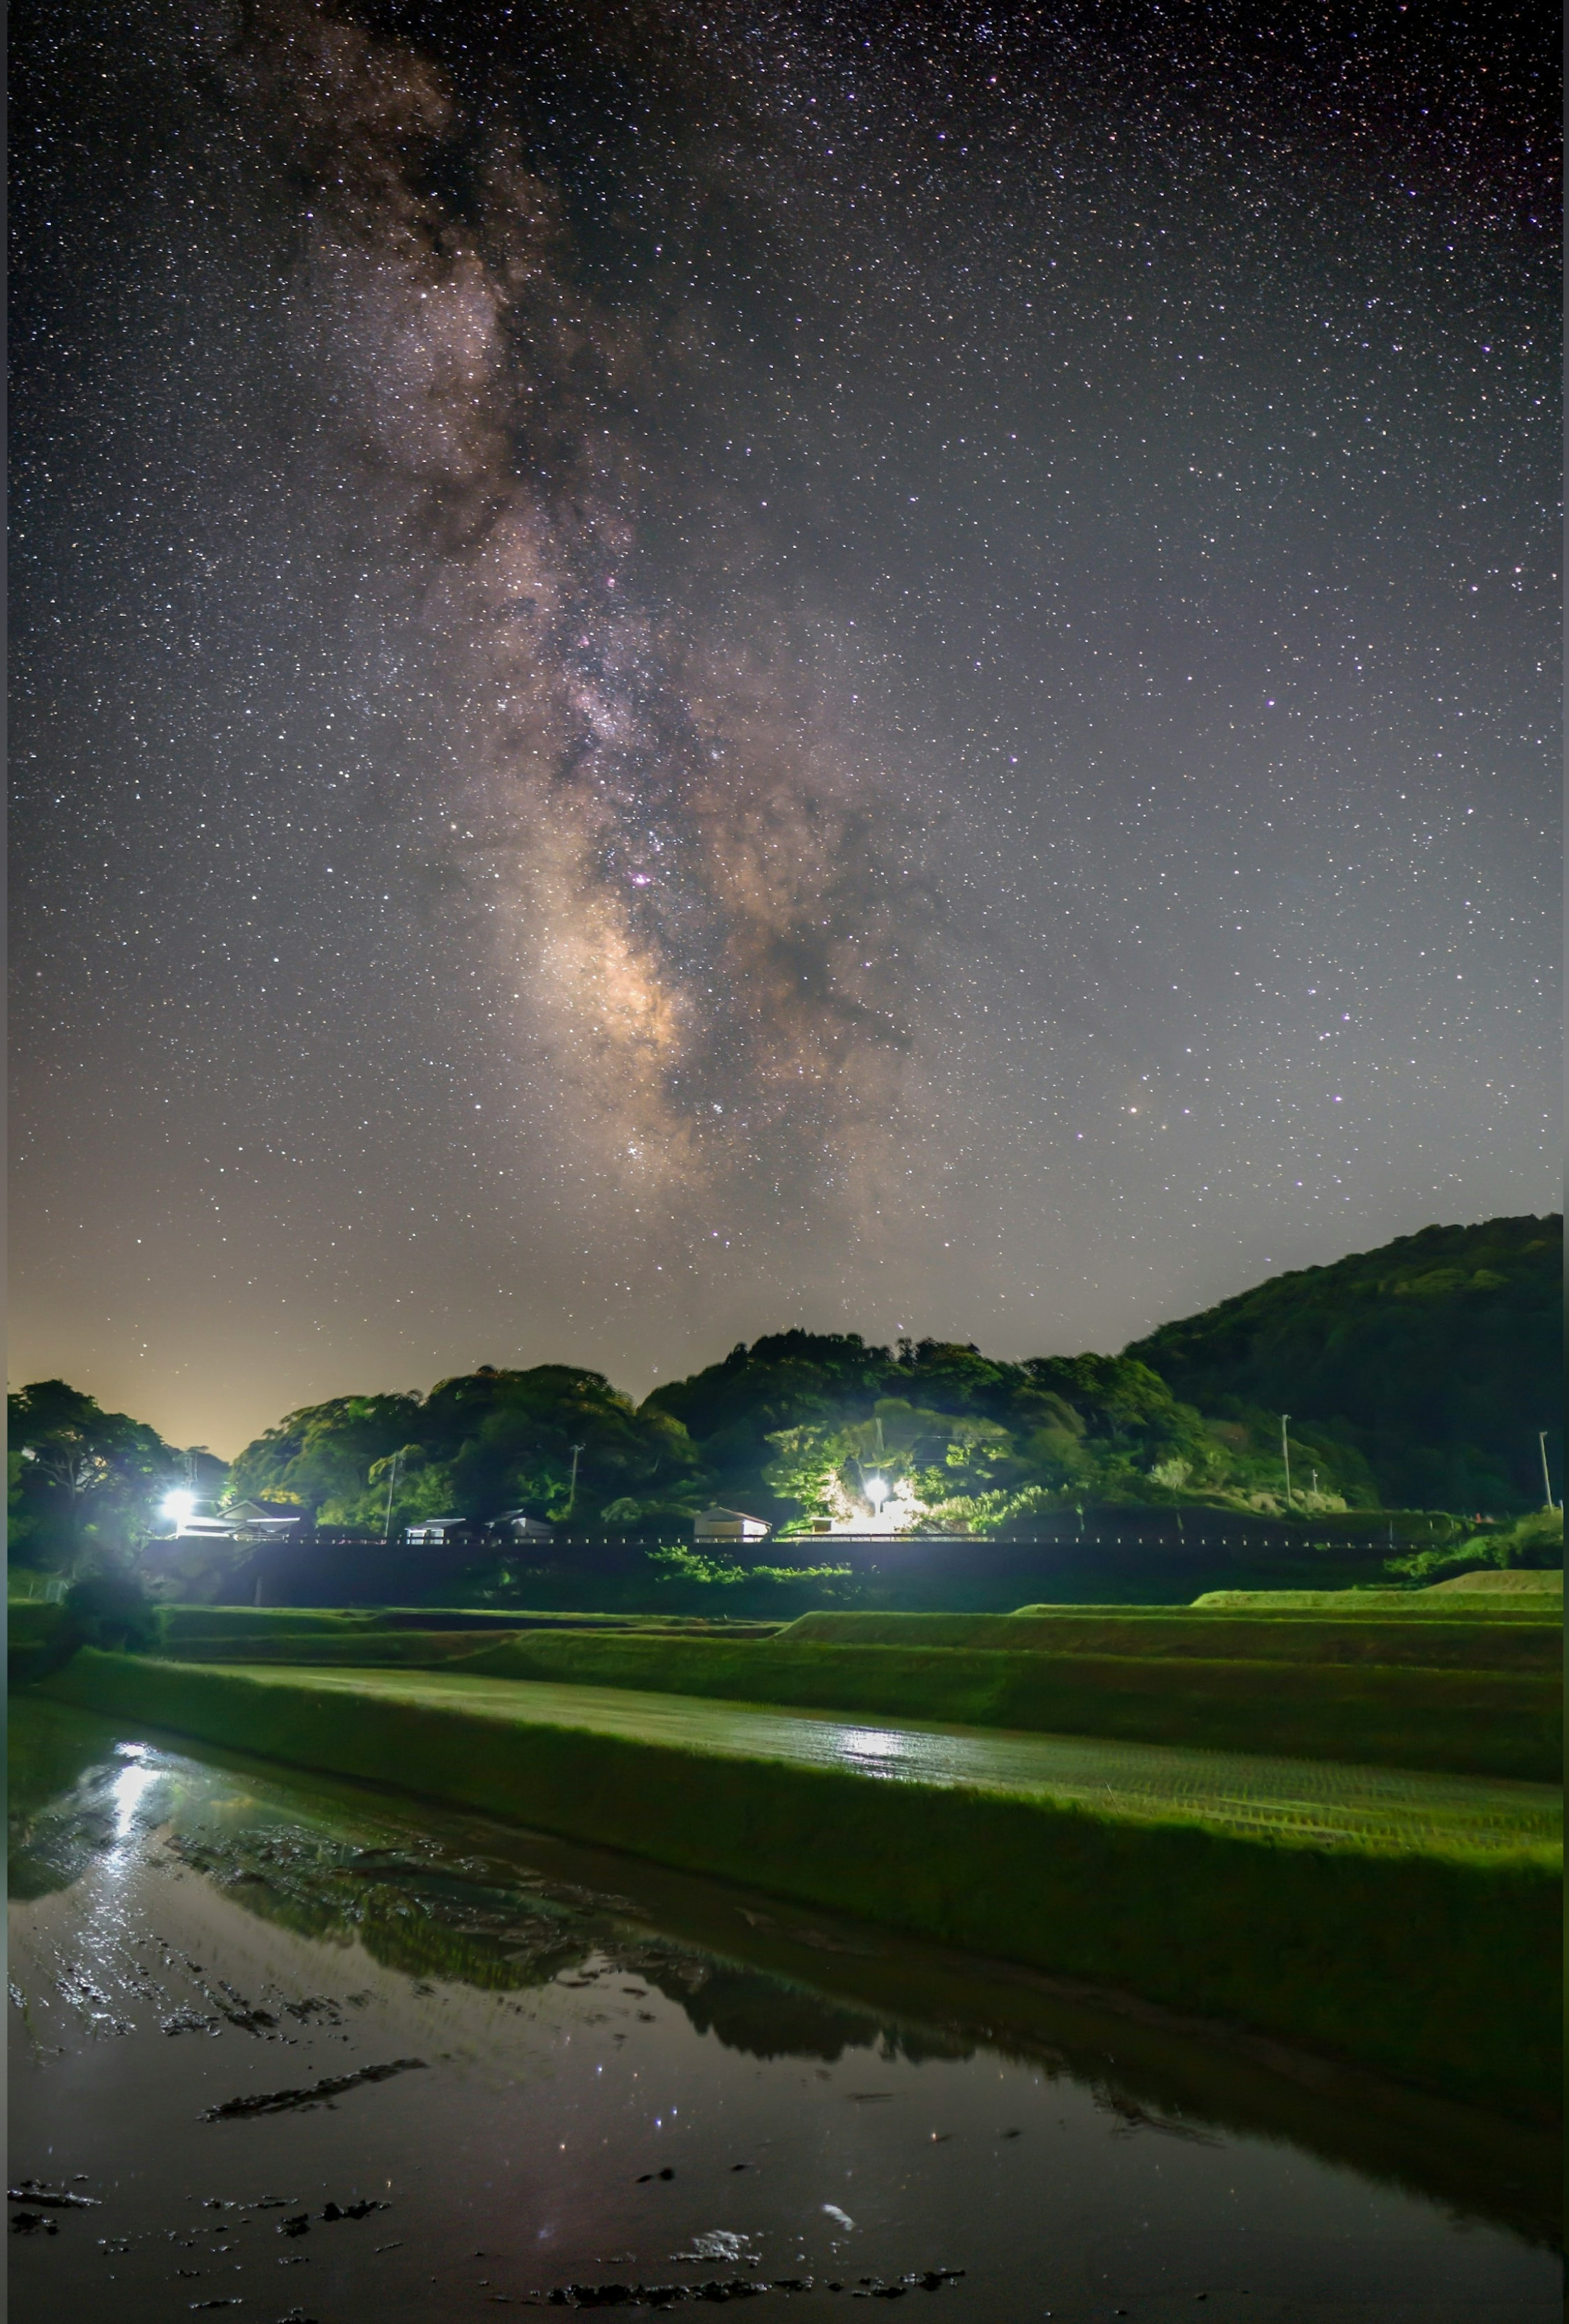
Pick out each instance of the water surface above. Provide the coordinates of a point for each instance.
(626, 2076)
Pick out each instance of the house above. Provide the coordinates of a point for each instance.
(433, 1531)
(255, 1520)
(239, 1521)
(729, 1525)
(520, 1527)
(516, 1523)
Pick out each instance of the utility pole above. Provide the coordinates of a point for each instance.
(572, 1494)
(391, 1487)
(1546, 1474)
(1286, 1456)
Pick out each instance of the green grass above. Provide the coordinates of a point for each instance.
(1496, 1581)
(1179, 1631)
(39, 1638)
(1473, 1722)
(1321, 1800)
(1438, 1603)
(368, 1648)
(1467, 1719)
(177, 1623)
(1441, 1966)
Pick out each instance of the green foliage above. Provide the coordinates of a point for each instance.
(39, 1638)
(923, 1460)
(1419, 1371)
(1384, 1954)
(480, 1444)
(794, 1426)
(83, 1482)
(320, 1457)
(112, 1609)
(1437, 1358)
(786, 1381)
(1534, 1540)
(687, 1579)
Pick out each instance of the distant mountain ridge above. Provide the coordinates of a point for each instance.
(1438, 1356)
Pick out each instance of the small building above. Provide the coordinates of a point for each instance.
(431, 1532)
(518, 1525)
(237, 1521)
(718, 1524)
(261, 1521)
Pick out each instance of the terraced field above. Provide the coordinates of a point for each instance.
(1320, 1801)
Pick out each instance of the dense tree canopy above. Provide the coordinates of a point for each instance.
(1439, 1357)
(1415, 1376)
(83, 1481)
(480, 1444)
(796, 1426)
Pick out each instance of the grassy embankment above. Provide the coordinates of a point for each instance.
(175, 1626)
(205, 1633)
(1512, 1582)
(1434, 1964)
(1475, 1697)
(1473, 1721)
(1466, 1722)
(42, 1636)
(1496, 1593)
(39, 1638)
(1467, 1697)
(1178, 1632)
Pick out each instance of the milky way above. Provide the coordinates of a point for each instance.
(682, 672)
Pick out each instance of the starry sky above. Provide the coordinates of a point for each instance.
(681, 669)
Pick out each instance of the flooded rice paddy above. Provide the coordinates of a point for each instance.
(305, 2050)
(1320, 1799)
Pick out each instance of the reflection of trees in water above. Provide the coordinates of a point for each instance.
(471, 1922)
(415, 1908)
(461, 1920)
(423, 1916)
(49, 1852)
(765, 2016)
(431, 1912)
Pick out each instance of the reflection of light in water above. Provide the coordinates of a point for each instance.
(872, 1743)
(129, 1785)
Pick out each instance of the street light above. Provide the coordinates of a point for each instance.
(179, 1504)
(1547, 1473)
(877, 1493)
(1286, 1456)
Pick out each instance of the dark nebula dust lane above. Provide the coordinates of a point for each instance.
(676, 673)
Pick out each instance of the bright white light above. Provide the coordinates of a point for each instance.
(129, 1787)
(178, 1506)
(878, 1492)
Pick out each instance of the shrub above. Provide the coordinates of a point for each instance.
(112, 1609)
(1537, 1541)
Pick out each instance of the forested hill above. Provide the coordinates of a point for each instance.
(1439, 1356)
(1416, 1377)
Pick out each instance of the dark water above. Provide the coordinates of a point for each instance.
(608, 2074)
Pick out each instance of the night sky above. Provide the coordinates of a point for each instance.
(678, 670)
